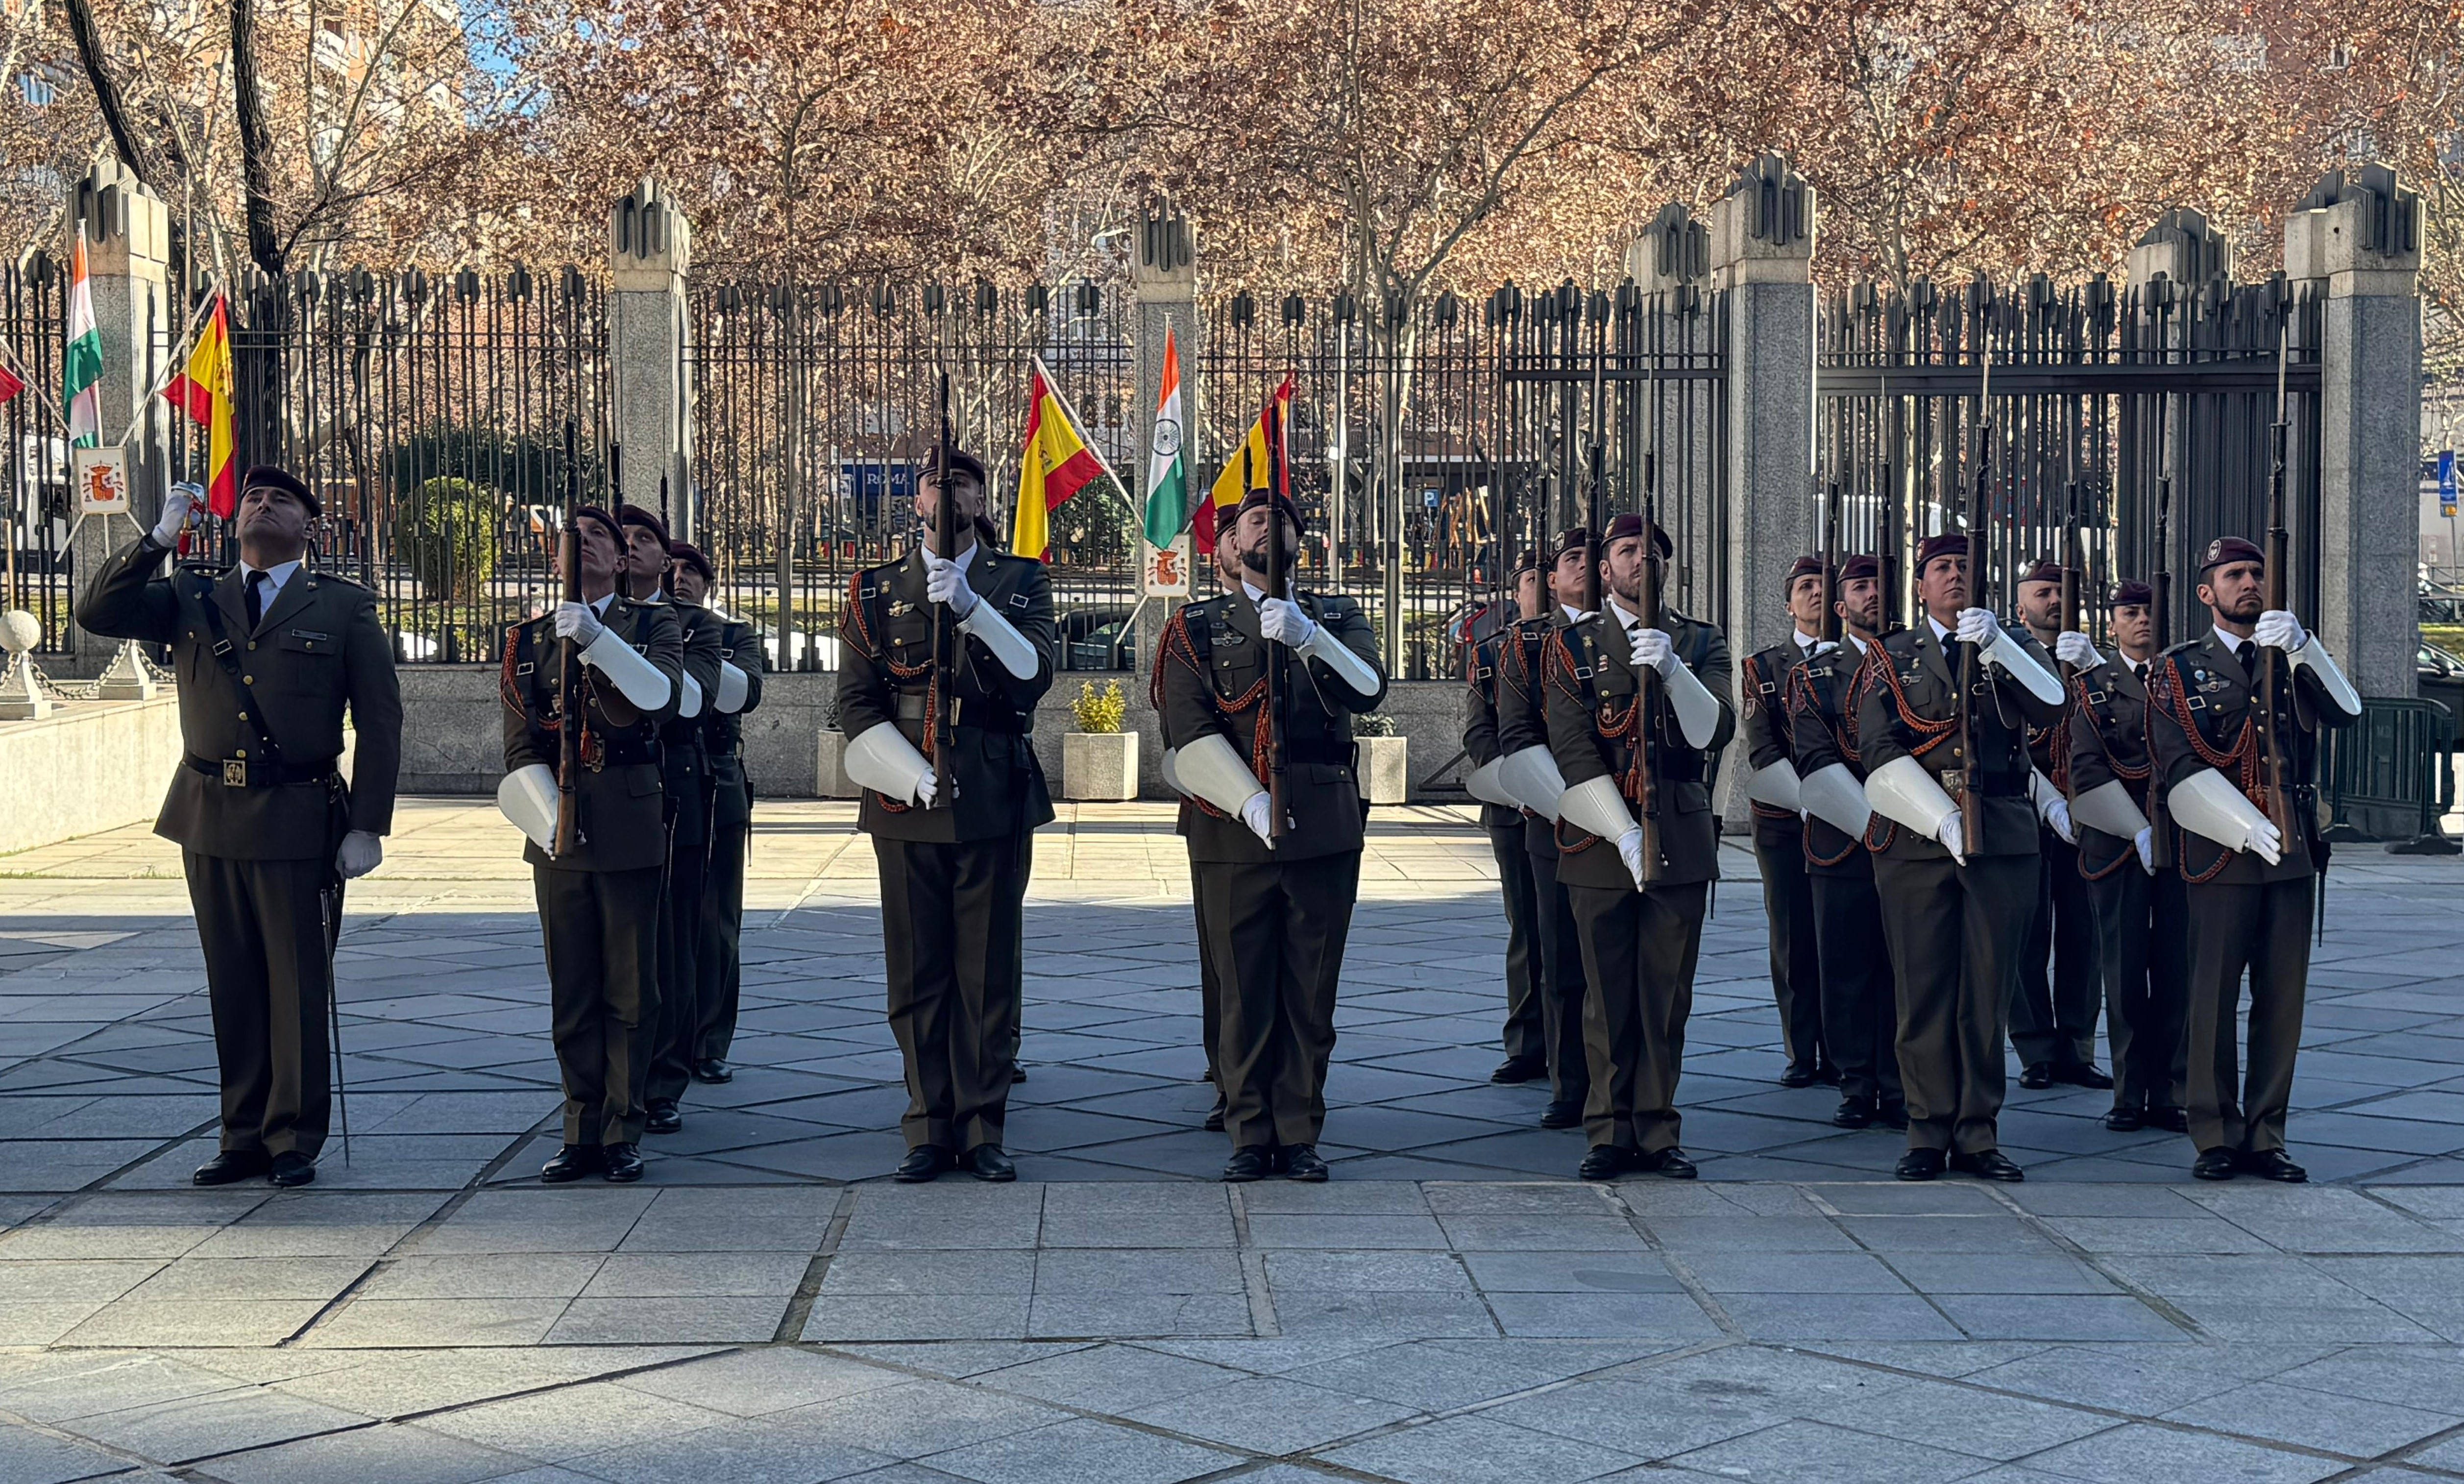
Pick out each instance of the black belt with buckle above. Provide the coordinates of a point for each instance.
(257, 773)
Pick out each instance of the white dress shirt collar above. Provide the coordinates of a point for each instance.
(274, 578)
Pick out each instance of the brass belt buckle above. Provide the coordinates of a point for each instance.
(234, 773)
(1954, 780)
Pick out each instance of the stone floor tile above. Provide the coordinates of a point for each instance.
(222, 1421)
(386, 1454)
(654, 1321)
(1270, 1415)
(920, 1418)
(2294, 1415)
(1477, 1449)
(2136, 1453)
(1571, 1273)
(716, 1274)
(568, 1422)
(483, 1276)
(1306, 1270)
(1833, 1455)
(1096, 1271)
(195, 1278)
(1444, 1375)
(1139, 1316)
(1336, 1230)
(1082, 1450)
(1997, 1273)
(28, 1456)
(2429, 1379)
(1792, 1273)
(858, 1317)
(1595, 1316)
(438, 1321)
(1564, 1231)
(887, 1271)
(2081, 1317)
(140, 1322)
(1106, 1378)
(736, 1452)
(757, 1382)
(60, 1386)
(1370, 1316)
(1836, 1317)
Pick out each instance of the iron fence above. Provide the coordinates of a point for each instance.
(34, 463)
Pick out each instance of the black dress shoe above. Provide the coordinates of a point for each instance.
(1989, 1165)
(662, 1118)
(2216, 1164)
(571, 1163)
(1797, 1075)
(1604, 1161)
(1214, 1124)
(987, 1161)
(1563, 1113)
(1520, 1069)
(710, 1069)
(2083, 1074)
(623, 1164)
(2265, 1164)
(2126, 1120)
(1254, 1163)
(922, 1163)
(1017, 1073)
(1895, 1116)
(1669, 1164)
(2171, 1120)
(231, 1165)
(291, 1168)
(1853, 1113)
(2036, 1074)
(1919, 1165)
(1300, 1162)
(1827, 1074)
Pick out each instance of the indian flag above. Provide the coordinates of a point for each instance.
(1167, 477)
(81, 374)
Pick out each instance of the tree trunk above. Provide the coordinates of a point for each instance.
(256, 149)
(106, 94)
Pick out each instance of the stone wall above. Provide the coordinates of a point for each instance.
(89, 766)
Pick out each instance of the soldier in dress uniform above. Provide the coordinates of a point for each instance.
(1277, 900)
(2139, 923)
(684, 776)
(598, 903)
(268, 655)
(1956, 892)
(717, 958)
(1210, 1001)
(1526, 772)
(1640, 920)
(1526, 1054)
(1860, 1012)
(1779, 830)
(953, 835)
(2248, 886)
(2053, 1020)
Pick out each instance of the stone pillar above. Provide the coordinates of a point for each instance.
(1669, 267)
(2360, 235)
(1163, 282)
(649, 245)
(1762, 257)
(127, 242)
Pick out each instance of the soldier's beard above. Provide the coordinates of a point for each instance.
(1253, 561)
(2245, 609)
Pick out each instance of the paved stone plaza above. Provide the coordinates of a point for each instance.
(1452, 1307)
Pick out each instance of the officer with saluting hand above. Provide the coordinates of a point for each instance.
(269, 655)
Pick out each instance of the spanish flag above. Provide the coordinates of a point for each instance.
(1058, 462)
(203, 392)
(1226, 492)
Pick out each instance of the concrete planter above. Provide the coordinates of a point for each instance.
(1099, 765)
(1378, 763)
(829, 774)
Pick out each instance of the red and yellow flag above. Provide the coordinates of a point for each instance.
(1226, 492)
(1058, 462)
(203, 392)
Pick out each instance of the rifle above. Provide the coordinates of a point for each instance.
(616, 496)
(1592, 493)
(1830, 626)
(1279, 478)
(1971, 815)
(2270, 660)
(568, 661)
(943, 740)
(2072, 562)
(2160, 625)
(1646, 698)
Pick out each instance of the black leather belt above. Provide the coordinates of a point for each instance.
(256, 772)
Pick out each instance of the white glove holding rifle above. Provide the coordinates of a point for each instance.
(184, 500)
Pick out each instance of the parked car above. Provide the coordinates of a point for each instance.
(2442, 680)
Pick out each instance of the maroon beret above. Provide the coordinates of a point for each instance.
(968, 466)
(265, 476)
(2131, 594)
(647, 519)
(1573, 540)
(1256, 499)
(2225, 549)
(1859, 567)
(2046, 569)
(686, 554)
(1804, 567)
(1631, 526)
(615, 527)
(1949, 543)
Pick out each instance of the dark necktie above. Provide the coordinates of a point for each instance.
(255, 600)
(2248, 654)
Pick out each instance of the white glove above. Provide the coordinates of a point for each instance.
(1976, 627)
(2268, 842)
(1953, 837)
(2075, 649)
(1630, 851)
(2144, 843)
(360, 854)
(1280, 620)
(576, 621)
(926, 787)
(946, 583)
(2279, 629)
(2057, 816)
(1258, 814)
(1651, 647)
(176, 506)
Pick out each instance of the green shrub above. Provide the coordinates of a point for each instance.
(1099, 710)
(446, 532)
(1377, 723)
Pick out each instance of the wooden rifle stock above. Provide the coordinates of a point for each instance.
(945, 545)
(1830, 623)
(1278, 554)
(2271, 660)
(2072, 560)
(1648, 698)
(568, 664)
(2160, 628)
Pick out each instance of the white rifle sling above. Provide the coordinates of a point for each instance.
(1775, 783)
(527, 797)
(1595, 807)
(640, 682)
(1008, 645)
(2314, 657)
(1482, 783)
(1530, 778)
(1339, 657)
(1211, 770)
(882, 759)
(734, 686)
(1171, 771)
(2022, 666)
(1697, 711)
(1833, 794)
(2207, 805)
(1902, 791)
(691, 706)
(2108, 807)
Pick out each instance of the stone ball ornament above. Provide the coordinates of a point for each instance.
(20, 631)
